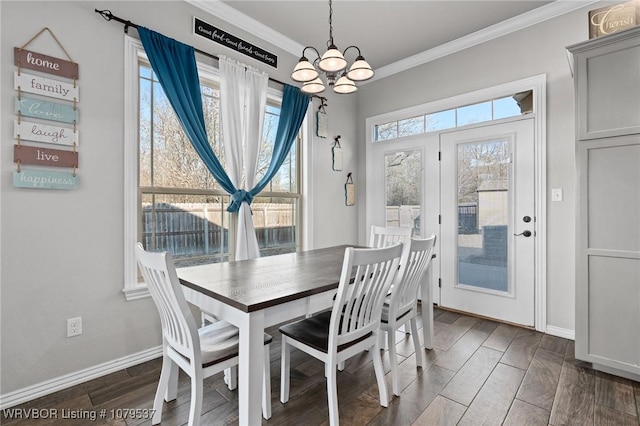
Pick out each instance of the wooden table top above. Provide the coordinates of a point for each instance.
(254, 284)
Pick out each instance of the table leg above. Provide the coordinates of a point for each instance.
(250, 369)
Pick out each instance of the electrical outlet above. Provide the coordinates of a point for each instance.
(74, 327)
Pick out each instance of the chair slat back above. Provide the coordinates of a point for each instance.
(413, 265)
(383, 236)
(358, 305)
(179, 328)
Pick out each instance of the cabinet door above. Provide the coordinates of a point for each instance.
(608, 253)
(608, 86)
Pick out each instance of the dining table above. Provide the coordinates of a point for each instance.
(258, 293)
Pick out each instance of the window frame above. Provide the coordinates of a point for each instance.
(134, 288)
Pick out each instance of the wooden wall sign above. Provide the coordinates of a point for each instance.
(208, 31)
(45, 86)
(44, 179)
(38, 132)
(24, 154)
(37, 61)
(36, 108)
(611, 19)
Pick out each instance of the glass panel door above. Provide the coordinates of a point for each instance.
(488, 224)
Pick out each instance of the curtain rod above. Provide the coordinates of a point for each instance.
(108, 16)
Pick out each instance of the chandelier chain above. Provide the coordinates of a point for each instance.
(330, 42)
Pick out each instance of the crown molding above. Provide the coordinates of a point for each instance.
(268, 34)
(248, 24)
(527, 19)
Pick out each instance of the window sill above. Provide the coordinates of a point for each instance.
(139, 291)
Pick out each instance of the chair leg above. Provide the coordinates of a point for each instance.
(266, 385)
(231, 377)
(171, 391)
(332, 394)
(393, 359)
(379, 369)
(416, 342)
(284, 370)
(162, 390)
(195, 410)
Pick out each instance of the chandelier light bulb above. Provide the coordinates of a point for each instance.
(313, 87)
(360, 70)
(344, 85)
(304, 71)
(332, 61)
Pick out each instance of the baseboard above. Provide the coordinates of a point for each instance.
(561, 332)
(54, 385)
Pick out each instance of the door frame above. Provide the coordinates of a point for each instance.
(538, 84)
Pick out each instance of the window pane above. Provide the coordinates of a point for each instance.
(483, 214)
(386, 131)
(275, 222)
(441, 120)
(144, 127)
(477, 113)
(403, 186)
(505, 107)
(411, 126)
(194, 228)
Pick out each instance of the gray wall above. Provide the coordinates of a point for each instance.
(62, 250)
(534, 50)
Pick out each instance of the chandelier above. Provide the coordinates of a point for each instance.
(333, 65)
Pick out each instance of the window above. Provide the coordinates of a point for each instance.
(510, 106)
(177, 205)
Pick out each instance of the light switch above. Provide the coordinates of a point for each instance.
(556, 194)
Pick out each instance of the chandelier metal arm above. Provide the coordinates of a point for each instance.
(344, 52)
(312, 48)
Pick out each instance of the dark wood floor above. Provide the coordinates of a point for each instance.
(480, 372)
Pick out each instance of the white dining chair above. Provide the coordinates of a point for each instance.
(352, 326)
(382, 236)
(199, 352)
(401, 306)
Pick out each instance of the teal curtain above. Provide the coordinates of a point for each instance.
(175, 65)
(294, 108)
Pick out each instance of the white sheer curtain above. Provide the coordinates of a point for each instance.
(243, 99)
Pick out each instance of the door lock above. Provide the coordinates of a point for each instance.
(526, 219)
(526, 233)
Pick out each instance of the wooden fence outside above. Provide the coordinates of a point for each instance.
(194, 229)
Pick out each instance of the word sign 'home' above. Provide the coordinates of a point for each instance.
(36, 61)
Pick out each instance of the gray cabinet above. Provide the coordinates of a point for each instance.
(607, 90)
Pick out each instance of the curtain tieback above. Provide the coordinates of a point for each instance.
(238, 198)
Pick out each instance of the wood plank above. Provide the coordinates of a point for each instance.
(492, 403)
(575, 396)
(521, 350)
(606, 416)
(414, 399)
(553, 344)
(615, 392)
(467, 382)
(442, 412)
(501, 337)
(444, 338)
(541, 380)
(523, 413)
(636, 389)
(463, 349)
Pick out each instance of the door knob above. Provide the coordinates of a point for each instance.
(526, 233)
